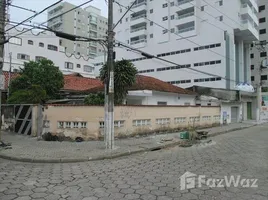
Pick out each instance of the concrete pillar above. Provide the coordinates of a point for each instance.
(247, 71)
(241, 60)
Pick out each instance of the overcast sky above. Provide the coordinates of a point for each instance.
(37, 5)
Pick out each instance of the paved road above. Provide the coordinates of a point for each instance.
(152, 175)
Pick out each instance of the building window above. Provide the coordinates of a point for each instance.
(263, 54)
(252, 55)
(202, 8)
(194, 119)
(262, 20)
(165, 5)
(41, 44)
(179, 120)
(151, 35)
(141, 122)
(261, 8)
(15, 40)
(172, 30)
(163, 121)
(206, 118)
(23, 56)
(251, 67)
(263, 31)
(151, 23)
(30, 42)
(78, 66)
(69, 65)
(172, 3)
(165, 18)
(221, 18)
(88, 68)
(38, 58)
(162, 103)
(172, 17)
(264, 77)
(52, 47)
(63, 125)
(220, 2)
(151, 11)
(252, 78)
(165, 31)
(119, 124)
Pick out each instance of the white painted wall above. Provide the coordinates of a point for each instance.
(58, 57)
(155, 97)
(226, 107)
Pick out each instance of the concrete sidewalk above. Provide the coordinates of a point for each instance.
(28, 149)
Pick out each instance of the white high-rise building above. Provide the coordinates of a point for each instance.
(259, 51)
(212, 36)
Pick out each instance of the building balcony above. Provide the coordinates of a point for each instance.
(138, 20)
(139, 43)
(250, 11)
(183, 4)
(186, 27)
(247, 31)
(185, 15)
(141, 5)
(138, 31)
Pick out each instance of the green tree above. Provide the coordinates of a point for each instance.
(124, 77)
(95, 99)
(42, 75)
(34, 94)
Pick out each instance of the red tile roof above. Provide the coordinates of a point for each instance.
(150, 83)
(12, 76)
(76, 83)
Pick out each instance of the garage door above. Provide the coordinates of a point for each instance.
(234, 114)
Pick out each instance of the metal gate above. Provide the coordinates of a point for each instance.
(234, 114)
(18, 118)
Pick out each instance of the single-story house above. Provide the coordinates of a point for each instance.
(146, 91)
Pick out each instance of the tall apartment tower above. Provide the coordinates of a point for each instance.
(212, 36)
(86, 22)
(259, 51)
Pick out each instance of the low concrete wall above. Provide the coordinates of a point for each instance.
(88, 121)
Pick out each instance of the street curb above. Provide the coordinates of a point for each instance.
(231, 130)
(110, 155)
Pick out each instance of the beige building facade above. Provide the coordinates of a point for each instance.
(87, 22)
(88, 121)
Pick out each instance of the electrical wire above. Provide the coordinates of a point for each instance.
(52, 19)
(178, 34)
(35, 15)
(22, 8)
(170, 62)
(224, 14)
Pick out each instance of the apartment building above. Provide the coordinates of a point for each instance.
(208, 39)
(87, 22)
(260, 48)
(32, 46)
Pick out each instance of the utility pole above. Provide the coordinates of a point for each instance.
(2, 39)
(110, 65)
(9, 73)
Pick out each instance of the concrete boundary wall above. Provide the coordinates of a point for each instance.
(88, 121)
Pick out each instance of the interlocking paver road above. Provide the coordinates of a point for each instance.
(148, 176)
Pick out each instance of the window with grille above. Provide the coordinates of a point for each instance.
(142, 122)
(22, 56)
(179, 120)
(69, 65)
(163, 121)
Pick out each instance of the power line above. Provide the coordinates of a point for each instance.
(168, 61)
(29, 18)
(51, 19)
(22, 8)
(178, 34)
(224, 14)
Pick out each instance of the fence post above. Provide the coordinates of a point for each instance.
(39, 121)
